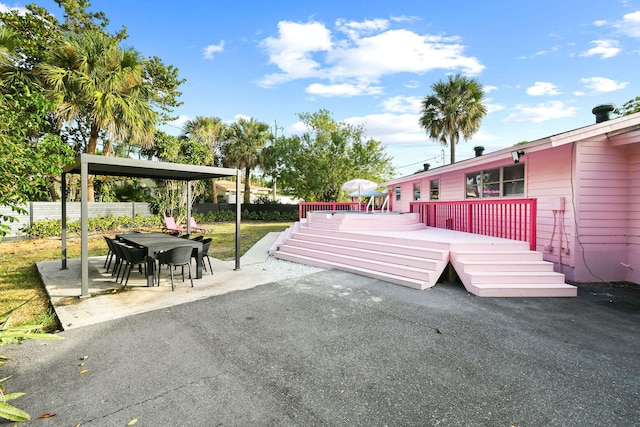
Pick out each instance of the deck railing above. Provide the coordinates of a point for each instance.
(305, 207)
(507, 218)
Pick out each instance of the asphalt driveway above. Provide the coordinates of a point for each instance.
(338, 349)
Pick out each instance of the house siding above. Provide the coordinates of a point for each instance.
(548, 179)
(633, 271)
(602, 183)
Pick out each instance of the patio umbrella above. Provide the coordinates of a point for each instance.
(359, 185)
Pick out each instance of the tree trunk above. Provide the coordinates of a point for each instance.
(452, 142)
(247, 186)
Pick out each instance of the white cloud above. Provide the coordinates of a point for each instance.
(370, 51)
(603, 48)
(391, 129)
(600, 23)
(241, 116)
(4, 9)
(212, 49)
(400, 51)
(412, 84)
(602, 84)
(491, 107)
(181, 120)
(489, 88)
(355, 29)
(542, 88)
(402, 104)
(292, 51)
(540, 113)
(630, 24)
(343, 89)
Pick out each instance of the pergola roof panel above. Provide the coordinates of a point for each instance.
(119, 166)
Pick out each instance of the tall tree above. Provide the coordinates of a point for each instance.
(93, 80)
(28, 155)
(243, 149)
(313, 166)
(454, 109)
(629, 107)
(101, 92)
(208, 131)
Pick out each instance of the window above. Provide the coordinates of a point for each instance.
(416, 191)
(398, 193)
(507, 181)
(434, 189)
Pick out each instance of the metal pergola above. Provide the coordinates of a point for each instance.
(91, 164)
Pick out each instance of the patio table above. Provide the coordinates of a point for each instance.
(157, 242)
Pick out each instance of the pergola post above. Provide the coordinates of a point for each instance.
(238, 216)
(84, 226)
(63, 221)
(188, 208)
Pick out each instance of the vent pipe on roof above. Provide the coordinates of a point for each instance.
(426, 166)
(602, 112)
(479, 149)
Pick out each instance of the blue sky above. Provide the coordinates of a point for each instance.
(544, 64)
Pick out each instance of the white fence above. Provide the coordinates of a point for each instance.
(38, 211)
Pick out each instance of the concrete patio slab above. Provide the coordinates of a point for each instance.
(108, 301)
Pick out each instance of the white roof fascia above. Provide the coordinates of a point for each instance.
(606, 128)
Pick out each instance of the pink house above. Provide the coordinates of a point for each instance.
(584, 183)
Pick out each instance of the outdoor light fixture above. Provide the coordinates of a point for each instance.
(515, 155)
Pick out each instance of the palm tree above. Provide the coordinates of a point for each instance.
(453, 109)
(209, 132)
(95, 82)
(246, 139)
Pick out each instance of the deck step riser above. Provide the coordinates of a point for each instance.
(397, 280)
(376, 238)
(367, 227)
(365, 264)
(368, 253)
(534, 290)
(514, 267)
(372, 245)
(499, 256)
(516, 278)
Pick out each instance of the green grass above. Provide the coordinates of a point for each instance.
(20, 281)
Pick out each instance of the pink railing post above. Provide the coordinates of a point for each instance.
(533, 230)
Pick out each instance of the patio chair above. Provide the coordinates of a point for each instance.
(110, 254)
(120, 259)
(133, 257)
(206, 243)
(170, 225)
(194, 225)
(176, 257)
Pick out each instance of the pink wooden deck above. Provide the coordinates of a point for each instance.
(399, 249)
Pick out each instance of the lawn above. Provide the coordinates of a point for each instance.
(20, 281)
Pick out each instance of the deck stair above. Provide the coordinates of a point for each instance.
(510, 270)
(394, 249)
(406, 262)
